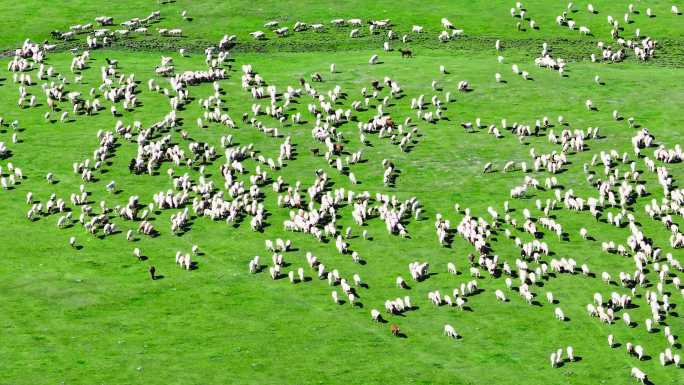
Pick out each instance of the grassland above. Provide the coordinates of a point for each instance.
(92, 315)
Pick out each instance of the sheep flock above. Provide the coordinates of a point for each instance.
(347, 194)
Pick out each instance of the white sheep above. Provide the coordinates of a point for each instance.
(639, 351)
(450, 332)
(111, 186)
(559, 314)
(639, 375)
(649, 325)
(373, 60)
(583, 233)
(357, 280)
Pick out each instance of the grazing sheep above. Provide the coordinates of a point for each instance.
(583, 233)
(357, 280)
(559, 314)
(605, 277)
(639, 375)
(649, 325)
(639, 351)
(258, 35)
(450, 332)
(373, 60)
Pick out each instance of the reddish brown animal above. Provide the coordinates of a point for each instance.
(405, 52)
(395, 330)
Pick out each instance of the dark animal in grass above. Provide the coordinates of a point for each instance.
(376, 85)
(112, 62)
(395, 330)
(338, 148)
(152, 271)
(405, 52)
(315, 151)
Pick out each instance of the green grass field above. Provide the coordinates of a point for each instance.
(92, 315)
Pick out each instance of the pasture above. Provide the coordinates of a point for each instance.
(90, 314)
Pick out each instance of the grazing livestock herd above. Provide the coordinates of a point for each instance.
(229, 183)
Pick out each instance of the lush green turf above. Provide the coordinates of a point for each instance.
(93, 316)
